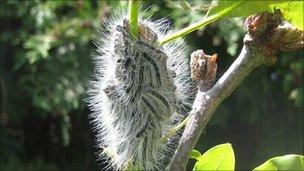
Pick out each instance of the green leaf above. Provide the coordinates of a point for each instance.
(245, 9)
(194, 154)
(292, 11)
(286, 162)
(220, 157)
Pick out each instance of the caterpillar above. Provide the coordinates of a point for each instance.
(139, 90)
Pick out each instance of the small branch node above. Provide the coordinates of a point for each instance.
(203, 69)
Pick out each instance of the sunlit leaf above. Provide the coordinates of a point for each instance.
(245, 9)
(292, 11)
(220, 157)
(286, 162)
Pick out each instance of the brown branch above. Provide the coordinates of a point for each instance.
(263, 30)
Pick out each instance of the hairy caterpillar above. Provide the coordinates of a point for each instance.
(139, 91)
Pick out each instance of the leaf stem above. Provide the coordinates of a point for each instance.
(200, 24)
(133, 17)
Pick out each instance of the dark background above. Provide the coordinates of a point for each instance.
(46, 57)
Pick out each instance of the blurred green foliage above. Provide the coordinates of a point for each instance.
(46, 49)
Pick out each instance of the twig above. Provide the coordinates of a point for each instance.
(200, 24)
(133, 17)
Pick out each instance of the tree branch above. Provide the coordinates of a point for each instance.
(256, 51)
(207, 101)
